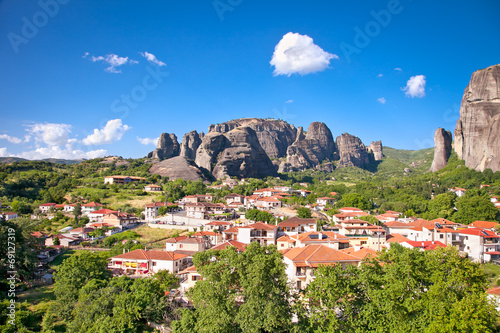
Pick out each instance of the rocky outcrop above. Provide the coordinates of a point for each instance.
(178, 167)
(274, 135)
(167, 147)
(352, 152)
(190, 143)
(310, 150)
(235, 153)
(442, 149)
(477, 134)
(376, 149)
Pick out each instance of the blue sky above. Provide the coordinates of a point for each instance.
(210, 61)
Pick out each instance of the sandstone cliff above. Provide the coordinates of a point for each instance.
(352, 152)
(167, 147)
(376, 149)
(190, 143)
(477, 134)
(274, 135)
(442, 149)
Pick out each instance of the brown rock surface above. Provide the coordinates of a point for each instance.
(167, 147)
(190, 143)
(442, 149)
(352, 151)
(178, 167)
(477, 134)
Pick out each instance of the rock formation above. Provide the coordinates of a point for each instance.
(178, 167)
(310, 150)
(274, 135)
(442, 149)
(376, 149)
(190, 143)
(477, 134)
(352, 152)
(167, 147)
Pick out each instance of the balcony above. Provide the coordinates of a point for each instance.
(300, 274)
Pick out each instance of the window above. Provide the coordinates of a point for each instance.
(195, 278)
(299, 284)
(441, 236)
(180, 246)
(282, 245)
(154, 263)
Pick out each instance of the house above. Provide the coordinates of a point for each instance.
(98, 215)
(361, 252)
(64, 240)
(119, 219)
(323, 201)
(435, 232)
(123, 179)
(282, 188)
(230, 234)
(458, 191)
(395, 238)
(151, 210)
(493, 226)
(423, 246)
(326, 238)
(210, 237)
(267, 203)
(184, 243)
(258, 232)
(188, 278)
(301, 262)
(231, 183)
(362, 233)
(69, 208)
(494, 296)
(143, 262)
(205, 210)
(239, 246)
(296, 225)
(265, 192)
(303, 193)
(234, 198)
(82, 233)
(218, 226)
(44, 208)
(91, 207)
(152, 188)
(387, 217)
(480, 244)
(8, 215)
(348, 213)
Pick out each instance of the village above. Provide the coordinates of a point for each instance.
(307, 242)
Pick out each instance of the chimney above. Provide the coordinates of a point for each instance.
(320, 235)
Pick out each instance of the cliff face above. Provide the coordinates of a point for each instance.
(477, 134)
(376, 149)
(190, 143)
(178, 167)
(352, 151)
(167, 147)
(274, 135)
(442, 149)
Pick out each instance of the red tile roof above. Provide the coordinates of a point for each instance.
(428, 245)
(315, 255)
(483, 224)
(93, 204)
(230, 243)
(261, 226)
(295, 222)
(479, 232)
(104, 211)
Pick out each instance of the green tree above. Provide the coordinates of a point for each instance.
(354, 200)
(77, 212)
(256, 276)
(474, 205)
(73, 274)
(162, 210)
(304, 213)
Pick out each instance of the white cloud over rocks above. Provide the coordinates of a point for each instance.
(296, 53)
(152, 59)
(113, 61)
(148, 141)
(415, 87)
(112, 131)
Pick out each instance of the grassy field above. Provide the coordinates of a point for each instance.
(154, 235)
(493, 273)
(57, 261)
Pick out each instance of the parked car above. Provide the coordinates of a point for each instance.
(200, 224)
(171, 222)
(180, 223)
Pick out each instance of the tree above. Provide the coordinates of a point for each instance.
(57, 241)
(404, 290)
(256, 276)
(162, 210)
(72, 275)
(77, 212)
(474, 205)
(304, 213)
(354, 200)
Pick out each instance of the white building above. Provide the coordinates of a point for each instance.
(480, 244)
(144, 262)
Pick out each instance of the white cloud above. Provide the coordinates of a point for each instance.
(148, 141)
(152, 58)
(50, 134)
(415, 87)
(398, 69)
(380, 75)
(289, 101)
(114, 61)
(296, 53)
(3, 152)
(381, 100)
(11, 139)
(85, 55)
(63, 153)
(113, 131)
